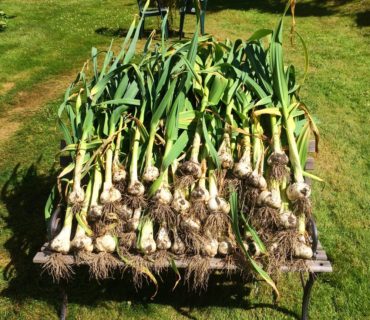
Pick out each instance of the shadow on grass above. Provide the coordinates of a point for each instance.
(317, 8)
(24, 195)
(363, 18)
(120, 32)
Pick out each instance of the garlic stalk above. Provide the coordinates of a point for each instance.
(256, 178)
(243, 168)
(192, 167)
(224, 151)
(119, 172)
(299, 191)
(146, 243)
(62, 243)
(216, 204)
(110, 194)
(200, 192)
(135, 187)
(77, 194)
(95, 208)
(133, 223)
(81, 240)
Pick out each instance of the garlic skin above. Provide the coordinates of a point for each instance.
(200, 193)
(119, 173)
(191, 223)
(210, 247)
(266, 198)
(76, 196)
(298, 190)
(81, 241)
(163, 196)
(178, 247)
(105, 243)
(110, 194)
(136, 189)
(125, 212)
(96, 211)
(163, 241)
(146, 243)
(277, 158)
(151, 173)
(191, 168)
(288, 219)
(226, 160)
(218, 204)
(180, 204)
(242, 169)
(256, 180)
(62, 243)
(275, 201)
(224, 248)
(303, 251)
(133, 223)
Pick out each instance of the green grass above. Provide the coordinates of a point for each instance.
(50, 38)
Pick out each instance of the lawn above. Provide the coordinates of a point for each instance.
(45, 44)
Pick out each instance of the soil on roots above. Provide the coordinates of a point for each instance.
(279, 172)
(134, 202)
(184, 181)
(192, 239)
(121, 186)
(229, 264)
(123, 214)
(108, 222)
(102, 265)
(281, 247)
(187, 174)
(76, 208)
(127, 241)
(264, 218)
(163, 214)
(217, 223)
(302, 205)
(100, 228)
(138, 265)
(227, 182)
(197, 273)
(83, 257)
(160, 261)
(57, 267)
(110, 212)
(199, 210)
(278, 166)
(250, 195)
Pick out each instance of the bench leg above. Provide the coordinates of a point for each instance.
(64, 302)
(307, 295)
(182, 20)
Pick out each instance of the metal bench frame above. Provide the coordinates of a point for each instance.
(318, 264)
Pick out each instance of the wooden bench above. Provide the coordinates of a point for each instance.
(318, 264)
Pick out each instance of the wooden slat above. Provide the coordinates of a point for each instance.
(308, 181)
(312, 146)
(321, 264)
(314, 266)
(321, 255)
(319, 245)
(310, 164)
